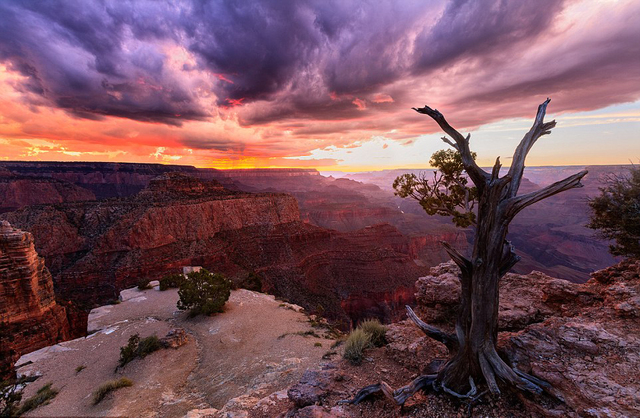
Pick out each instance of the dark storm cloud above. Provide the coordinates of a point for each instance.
(292, 60)
(92, 59)
(212, 143)
(476, 28)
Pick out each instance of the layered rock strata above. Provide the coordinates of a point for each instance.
(19, 191)
(96, 249)
(30, 318)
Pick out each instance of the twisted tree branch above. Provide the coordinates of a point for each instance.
(460, 260)
(450, 341)
(477, 175)
(516, 204)
(538, 129)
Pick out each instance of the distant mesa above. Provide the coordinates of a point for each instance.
(176, 185)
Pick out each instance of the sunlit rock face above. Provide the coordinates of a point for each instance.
(30, 318)
(96, 249)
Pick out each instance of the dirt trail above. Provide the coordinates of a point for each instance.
(239, 352)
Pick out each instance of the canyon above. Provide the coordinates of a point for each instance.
(30, 317)
(550, 237)
(95, 249)
(343, 248)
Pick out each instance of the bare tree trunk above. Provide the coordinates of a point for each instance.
(473, 347)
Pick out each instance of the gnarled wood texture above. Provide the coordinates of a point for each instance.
(474, 356)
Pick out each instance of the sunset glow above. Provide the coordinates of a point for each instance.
(317, 84)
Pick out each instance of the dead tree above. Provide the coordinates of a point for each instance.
(473, 356)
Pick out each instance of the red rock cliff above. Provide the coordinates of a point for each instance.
(30, 318)
(95, 249)
(16, 192)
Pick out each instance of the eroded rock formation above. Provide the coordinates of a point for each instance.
(584, 339)
(30, 318)
(95, 249)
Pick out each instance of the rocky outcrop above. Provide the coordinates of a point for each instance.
(96, 249)
(30, 318)
(583, 339)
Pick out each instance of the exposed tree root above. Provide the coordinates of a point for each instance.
(493, 368)
(473, 347)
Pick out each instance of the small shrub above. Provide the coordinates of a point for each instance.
(305, 334)
(204, 293)
(10, 397)
(377, 331)
(109, 387)
(337, 343)
(144, 284)
(42, 397)
(615, 213)
(354, 347)
(317, 344)
(137, 347)
(171, 281)
(80, 368)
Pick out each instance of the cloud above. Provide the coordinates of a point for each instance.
(481, 28)
(275, 79)
(93, 60)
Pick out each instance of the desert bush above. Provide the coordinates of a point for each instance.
(354, 347)
(171, 281)
(204, 293)
(137, 347)
(10, 397)
(80, 368)
(42, 397)
(615, 213)
(109, 387)
(143, 284)
(376, 330)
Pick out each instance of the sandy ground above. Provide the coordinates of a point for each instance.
(239, 352)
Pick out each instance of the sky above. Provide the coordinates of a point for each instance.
(316, 83)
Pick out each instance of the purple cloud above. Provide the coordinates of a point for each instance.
(312, 61)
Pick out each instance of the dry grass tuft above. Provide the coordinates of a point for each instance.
(109, 387)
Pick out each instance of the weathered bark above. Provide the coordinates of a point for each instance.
(474, 356)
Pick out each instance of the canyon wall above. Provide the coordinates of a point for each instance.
(18, 191)
(95, 249)
(104, 180)
(30, 318)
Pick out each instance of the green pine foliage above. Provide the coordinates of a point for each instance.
(446, 193)
(204, 293)
(171, 281)
(615, 213)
